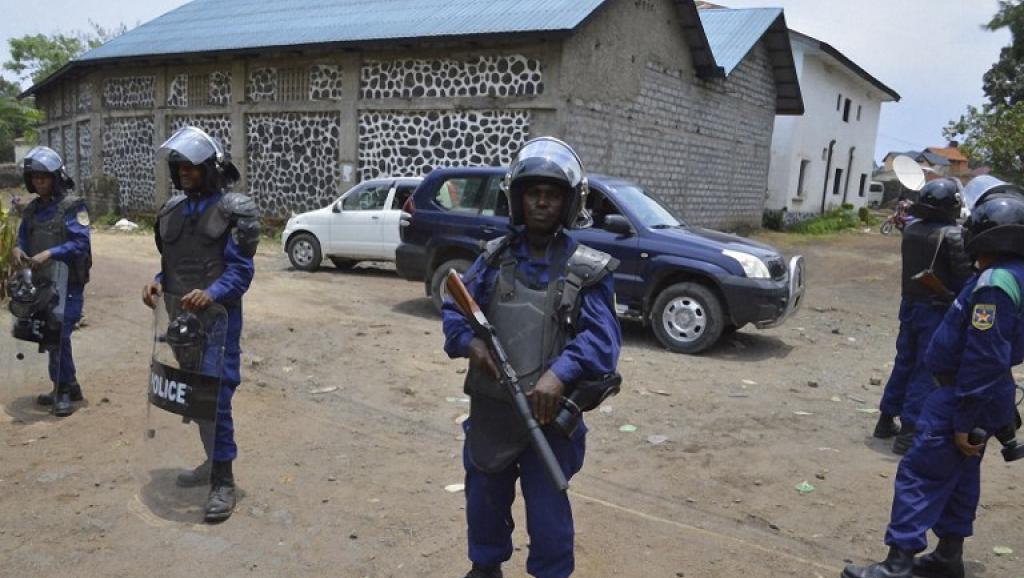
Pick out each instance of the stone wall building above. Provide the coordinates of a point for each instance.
(312, 97)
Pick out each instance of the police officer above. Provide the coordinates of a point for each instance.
(523, 281)
(207, 238)
(934, 243)
(55, 227)
(980, 339)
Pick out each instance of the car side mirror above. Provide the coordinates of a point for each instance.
(336, 208)
(618, 225)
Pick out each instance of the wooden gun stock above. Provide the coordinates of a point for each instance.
(933, 284)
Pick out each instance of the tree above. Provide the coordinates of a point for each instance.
(17, 119)
(36, 56)
(994, 134)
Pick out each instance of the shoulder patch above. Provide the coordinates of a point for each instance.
(1001, 279)
(83, 218)
(984, 316)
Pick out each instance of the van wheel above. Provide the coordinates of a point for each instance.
(687, 318)
(437, 279)
(304, 252)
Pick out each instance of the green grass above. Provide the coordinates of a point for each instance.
(8, 238)
(831, 222)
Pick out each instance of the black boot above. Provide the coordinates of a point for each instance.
(62, 406)
(905, 439)
(197, 477)
(947, 561)
(897, 565)
(484, 572)
(47, 398)
(221, 502)
(886, 427)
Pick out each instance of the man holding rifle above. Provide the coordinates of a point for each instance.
(935, 267)
(550, 304)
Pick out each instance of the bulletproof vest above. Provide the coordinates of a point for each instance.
(191, 246)
(533, 324)
(43, 235)
(921, 246)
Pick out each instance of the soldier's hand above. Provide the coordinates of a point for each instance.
(547, 397)
(41, 258)
(196, 300)
(965, 446)
(480, 358)
(150, 293)
(19, 256)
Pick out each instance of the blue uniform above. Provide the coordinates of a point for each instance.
(591, 353)
(980, 339)
(227, 290)
(76, 246)
(910, 381)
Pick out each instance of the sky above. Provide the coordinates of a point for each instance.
(932, 52)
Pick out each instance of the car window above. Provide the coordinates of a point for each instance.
(402, 194)
(600, 207)
(647, 208)
(368, 198)
(495, 202)
(463, 195)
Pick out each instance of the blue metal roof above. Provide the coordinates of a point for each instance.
(214, 25)
(732, 33)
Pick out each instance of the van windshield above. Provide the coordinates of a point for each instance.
(647, 208)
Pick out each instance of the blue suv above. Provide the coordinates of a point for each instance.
(689, 284)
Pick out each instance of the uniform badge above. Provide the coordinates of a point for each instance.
(83, 218)
(984, 317)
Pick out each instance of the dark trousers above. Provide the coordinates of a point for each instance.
(910, 382)
(62, 362)
(549, 521)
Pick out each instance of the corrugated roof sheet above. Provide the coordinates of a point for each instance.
(951, 153)
(214, 25)
(732, 33)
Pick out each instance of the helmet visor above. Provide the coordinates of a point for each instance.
(978, 187)
(552, 152)
(42, 160)
(194, 145)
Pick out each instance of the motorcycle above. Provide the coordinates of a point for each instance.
(898, 220)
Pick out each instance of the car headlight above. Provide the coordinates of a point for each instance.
(753, 267)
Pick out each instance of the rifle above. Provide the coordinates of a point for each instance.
(507, 375)
(934, 285)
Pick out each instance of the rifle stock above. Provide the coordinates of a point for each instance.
(933, 284)
(482, 327)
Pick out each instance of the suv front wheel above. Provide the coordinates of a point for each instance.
(687, 318)
(304, 252)
(437, 279)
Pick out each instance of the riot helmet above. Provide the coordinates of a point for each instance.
(46, 160)
(548, 160)
(939, 200)
(193, 146)
(996, 226)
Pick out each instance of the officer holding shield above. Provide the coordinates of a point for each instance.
(207, 238)
(551, 301)
(55, 229)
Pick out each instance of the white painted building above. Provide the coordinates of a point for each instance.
(825, 158)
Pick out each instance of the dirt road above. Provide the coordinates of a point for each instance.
(350, 482)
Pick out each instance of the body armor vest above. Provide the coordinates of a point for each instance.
(191, 246)
(533, 324)
(44, 235)
(921, 246)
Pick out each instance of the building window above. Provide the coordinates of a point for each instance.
(198, 89)
(293, 84)
(839, 101)
(858, 112)
(838, 181)
(863, 183)
(804, 164)
(846, 111)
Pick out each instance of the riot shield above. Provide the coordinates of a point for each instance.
(173, 468)
(31, 343)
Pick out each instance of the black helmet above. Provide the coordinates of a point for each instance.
(996, 226)
(939, 200)
(550, 160)
(187, 338)
(46, 160)
(193, 146)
